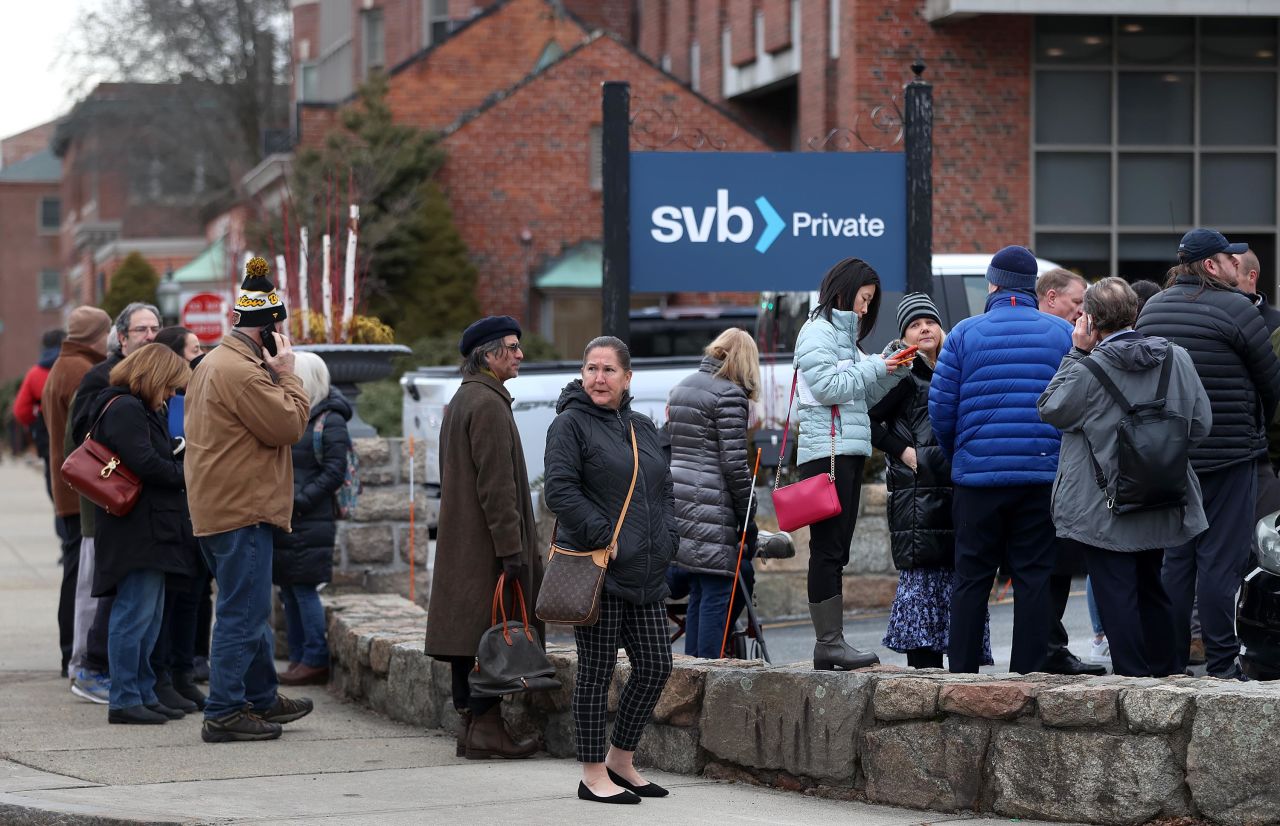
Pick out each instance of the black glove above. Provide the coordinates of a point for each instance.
(513, 566)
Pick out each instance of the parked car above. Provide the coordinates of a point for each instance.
(1258, 614)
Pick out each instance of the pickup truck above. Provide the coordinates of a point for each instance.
(960, 290)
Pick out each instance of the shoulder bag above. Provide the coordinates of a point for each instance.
(573, 580)
(510, 658)
(96, 473)
(809, 500)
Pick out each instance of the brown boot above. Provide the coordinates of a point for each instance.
(464, 726)
(305, 674)
(488, 738)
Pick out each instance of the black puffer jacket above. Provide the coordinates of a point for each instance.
(709, 470)
(588, 470)
(919, 507)
(1228, 342)
(305, 556)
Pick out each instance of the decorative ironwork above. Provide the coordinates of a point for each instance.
(882, 128)
(653, 128)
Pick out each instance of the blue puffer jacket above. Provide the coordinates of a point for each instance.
(819, 347)
(982, 401)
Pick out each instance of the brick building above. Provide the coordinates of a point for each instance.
(30, 280)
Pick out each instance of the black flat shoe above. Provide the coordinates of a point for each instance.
(621, 797)
(647, 790)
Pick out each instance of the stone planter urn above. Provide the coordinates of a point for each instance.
(350, 365)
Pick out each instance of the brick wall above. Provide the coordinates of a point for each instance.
(26, 252)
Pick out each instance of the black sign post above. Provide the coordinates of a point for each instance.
(615, 175)
(918, 125)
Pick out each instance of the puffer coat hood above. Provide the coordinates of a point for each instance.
(710, 473)
(588, 465)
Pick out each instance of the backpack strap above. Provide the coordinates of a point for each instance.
(1107, 383)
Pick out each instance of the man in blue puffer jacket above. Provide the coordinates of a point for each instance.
(982, 407)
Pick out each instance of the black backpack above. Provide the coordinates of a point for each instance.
(1152, 449)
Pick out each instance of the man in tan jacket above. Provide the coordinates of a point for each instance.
(245, 409)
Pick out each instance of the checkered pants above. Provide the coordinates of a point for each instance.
(642, 631)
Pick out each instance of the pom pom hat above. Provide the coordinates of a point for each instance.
(257, 303)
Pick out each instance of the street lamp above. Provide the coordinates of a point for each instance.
(167, 298)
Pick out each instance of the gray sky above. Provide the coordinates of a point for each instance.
(36, 84)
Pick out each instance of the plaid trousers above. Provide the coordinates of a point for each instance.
(642, 631)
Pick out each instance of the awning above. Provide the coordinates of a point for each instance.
(209, 265)
(580, 268)
(938, 11)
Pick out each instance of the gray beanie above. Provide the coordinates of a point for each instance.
(913, 306)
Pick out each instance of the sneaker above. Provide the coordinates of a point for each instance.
(1100, 652)
(238, 725)
(285, 710)
(92, 686)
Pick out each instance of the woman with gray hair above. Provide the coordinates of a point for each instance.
(304, 557)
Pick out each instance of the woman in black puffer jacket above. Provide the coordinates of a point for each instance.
(589, 465)
(921, 530)
(304, 558)
(708, 414)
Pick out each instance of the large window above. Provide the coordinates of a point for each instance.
(435, 21)
(1147, 126)
(50, 214)
(50, 290)
(375, 50)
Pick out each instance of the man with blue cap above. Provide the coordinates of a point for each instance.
(1202, 311)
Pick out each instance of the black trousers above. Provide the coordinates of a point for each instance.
(176, 646)
(462, 699)
(994, 525)
(96, 656)
(69, 532)
(1209, 568)
(1134, 609)
(829, 539)
(1060, 594)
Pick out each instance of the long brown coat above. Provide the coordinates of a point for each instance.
(74, 360)
(485, 513)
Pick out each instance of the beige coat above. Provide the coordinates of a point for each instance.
(485, 513)
(74, 360)
(241, 422)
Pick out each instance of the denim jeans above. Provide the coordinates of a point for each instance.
(708, 606)
(242, 669)
(135, 624)
(1094, 618)
(304, 625)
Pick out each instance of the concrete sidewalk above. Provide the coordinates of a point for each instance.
(60, 762)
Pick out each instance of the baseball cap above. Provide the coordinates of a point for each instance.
(1201, 243)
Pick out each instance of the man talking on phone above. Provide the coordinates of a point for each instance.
(245, 409)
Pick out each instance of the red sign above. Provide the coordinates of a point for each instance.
(205, 314)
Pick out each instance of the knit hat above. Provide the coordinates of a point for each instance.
(257, 303)
(913, 306)
(487, 329)
(88, 325)
(1014, 268)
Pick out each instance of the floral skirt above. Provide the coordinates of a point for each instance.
(921, 613)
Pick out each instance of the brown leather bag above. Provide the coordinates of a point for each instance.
(573, 580)
(95, 472)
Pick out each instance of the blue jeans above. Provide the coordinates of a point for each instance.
(242, 669)
(708, 606)
(135, 624)
(1094, 618)
(304, 625)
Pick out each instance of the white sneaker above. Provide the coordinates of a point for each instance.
(1100, 652)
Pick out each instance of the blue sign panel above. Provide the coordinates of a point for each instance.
(749, 221)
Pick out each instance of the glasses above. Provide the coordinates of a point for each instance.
(142, 330)
(514, 348)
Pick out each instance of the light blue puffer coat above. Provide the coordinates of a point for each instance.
(819, 347)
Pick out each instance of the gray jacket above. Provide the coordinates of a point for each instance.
(1077, 404)
(709, 470)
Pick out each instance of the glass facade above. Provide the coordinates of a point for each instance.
(1147, 126)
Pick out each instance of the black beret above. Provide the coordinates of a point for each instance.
(486, 330)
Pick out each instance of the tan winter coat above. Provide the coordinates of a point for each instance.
(74, 360)
(241, 422)
(485, 513)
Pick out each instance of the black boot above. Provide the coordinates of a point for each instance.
(831, 651)
(186, 686)
(924, 658)
(171, 697)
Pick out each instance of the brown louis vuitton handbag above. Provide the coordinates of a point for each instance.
(573, 580)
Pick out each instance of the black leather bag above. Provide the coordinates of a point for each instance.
(510, 658)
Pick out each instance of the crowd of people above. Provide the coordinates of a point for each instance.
(239, 452)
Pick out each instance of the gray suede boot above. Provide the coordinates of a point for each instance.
(831, 652)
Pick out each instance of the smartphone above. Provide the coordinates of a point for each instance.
(905, 353)
(1088, 325)
(269, 340)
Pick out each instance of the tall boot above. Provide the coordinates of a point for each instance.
(186, 686)
(831, 652)
(170, 696)
(488, 738)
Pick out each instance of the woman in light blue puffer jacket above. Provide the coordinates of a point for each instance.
(834, 373)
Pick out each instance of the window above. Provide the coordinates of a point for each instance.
(50, 214)
(1147, 126)
(374, 40)
(308, 77)
(695, 66)
(435, 21)
(595, 159)
(50, 296)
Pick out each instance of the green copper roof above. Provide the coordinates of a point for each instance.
(581, 267)
(209, 265)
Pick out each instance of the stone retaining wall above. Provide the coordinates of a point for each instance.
(1110, 750)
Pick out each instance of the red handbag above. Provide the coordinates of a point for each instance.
(96, 473)
(809, 500)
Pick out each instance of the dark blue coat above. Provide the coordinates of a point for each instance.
(305, 556)
(982, 400)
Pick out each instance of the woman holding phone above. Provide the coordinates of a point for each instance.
(837, 386)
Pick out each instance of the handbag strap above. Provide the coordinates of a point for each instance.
(635, 469)
(101, 413)
(786, 428)
(500, 606)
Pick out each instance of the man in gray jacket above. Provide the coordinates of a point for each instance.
(1124, 550)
